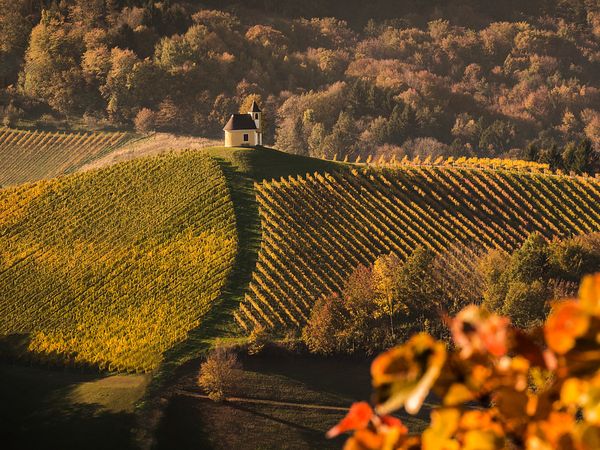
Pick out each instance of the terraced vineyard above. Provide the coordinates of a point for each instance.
(34, 155)
(317, 228)
(112, 268)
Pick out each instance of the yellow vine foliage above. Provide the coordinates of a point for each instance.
(112, 268)
(33, 155)
(485, 382)
(317, 228)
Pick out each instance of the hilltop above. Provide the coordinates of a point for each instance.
(111, 268)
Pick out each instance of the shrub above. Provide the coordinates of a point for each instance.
(145, 121)
(219, 373)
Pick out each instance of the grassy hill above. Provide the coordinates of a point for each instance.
(34, 155)
(112, 268)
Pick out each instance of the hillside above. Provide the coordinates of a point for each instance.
(317, 228)
(153, 144)
(35, 155)
(296, 238)
(111, 268)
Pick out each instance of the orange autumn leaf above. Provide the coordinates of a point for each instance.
(476, 330)
(589, 294)
(566, 323)
(554, 433)
(532, 396)
(358, 417)
(404, 375)
(365, 440)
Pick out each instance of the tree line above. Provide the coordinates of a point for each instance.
(495, 79)
(384, 304)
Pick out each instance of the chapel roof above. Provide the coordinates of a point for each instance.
(240, 122)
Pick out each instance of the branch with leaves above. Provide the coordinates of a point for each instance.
(499, 386)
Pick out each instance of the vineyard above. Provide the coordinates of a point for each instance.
(112, 268)
(34, 155)
(317, 228)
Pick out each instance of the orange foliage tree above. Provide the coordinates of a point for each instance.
(498, 386)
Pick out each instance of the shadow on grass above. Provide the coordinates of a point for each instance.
(192, 423)
(36, 412)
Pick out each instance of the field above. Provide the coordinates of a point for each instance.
(318, 227)
(139, 266)
(112, 268)
(34, 155)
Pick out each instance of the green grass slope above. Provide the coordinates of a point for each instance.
(35, 155)
(317, 228)
(242, 167)
(113, 268)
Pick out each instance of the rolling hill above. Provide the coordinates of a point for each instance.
(34, 155)
(119, 267)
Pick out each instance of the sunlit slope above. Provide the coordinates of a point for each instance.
(113, 267)
(317, 228)
(34, 155)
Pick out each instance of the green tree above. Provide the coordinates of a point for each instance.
(518, 285)
(573, 258)
(552, 157)
(525, 303)
(386, 283)
(579, 157)
(531, 261)
(342, 138)
(497, 138)
(316, 138)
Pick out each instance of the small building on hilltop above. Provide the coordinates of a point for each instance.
(244, 130)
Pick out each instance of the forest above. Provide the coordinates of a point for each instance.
(510, 79)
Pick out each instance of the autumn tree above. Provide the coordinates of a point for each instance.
(14, 30)
(51, 70)
(218, 374)
(327, 321)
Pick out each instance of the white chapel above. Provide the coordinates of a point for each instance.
(244, 130)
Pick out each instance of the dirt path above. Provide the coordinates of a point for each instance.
(155, 144)
(264, 402)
